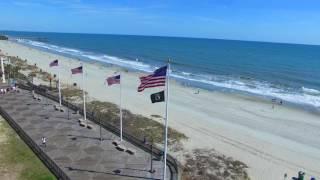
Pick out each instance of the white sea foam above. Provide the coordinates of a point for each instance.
(310, 91)
(186, 73)
(50, 47)
(137, 65)
(262, 89)
(306, 96)
(88, 55)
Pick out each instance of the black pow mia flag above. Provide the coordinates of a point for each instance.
(157, 97)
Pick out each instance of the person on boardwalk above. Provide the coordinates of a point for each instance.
(44, 141)
(300, 176)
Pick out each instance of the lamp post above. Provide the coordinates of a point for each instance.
(50, 81)
(151, 157)
(151, 161)
(67, 98)
(100, 127)
(98, 115)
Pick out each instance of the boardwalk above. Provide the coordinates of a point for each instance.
(78, 151)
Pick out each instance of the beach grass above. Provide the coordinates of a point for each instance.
(72, 93)
(18, 158)
(18, 64)
(208, 164)
(136, 125)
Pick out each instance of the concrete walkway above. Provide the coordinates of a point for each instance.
(77, 150)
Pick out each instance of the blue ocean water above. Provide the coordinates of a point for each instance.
(286, 71)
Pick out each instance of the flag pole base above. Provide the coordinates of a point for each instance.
(152, 171)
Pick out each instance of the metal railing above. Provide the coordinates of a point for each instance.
(171, 162)
(49, 163)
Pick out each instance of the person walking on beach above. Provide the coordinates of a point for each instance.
(197, 92)
(273, 101)
(44, 140)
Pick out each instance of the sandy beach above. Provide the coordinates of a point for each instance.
(270, 141)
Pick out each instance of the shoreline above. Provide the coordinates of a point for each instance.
(247, 129)
(184, 83)
(301, 97)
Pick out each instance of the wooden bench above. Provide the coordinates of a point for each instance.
(56, 107)
(82, 124)
(81, 120)
(89, 126)
(120, 148)
(130, 151)
(116, 143)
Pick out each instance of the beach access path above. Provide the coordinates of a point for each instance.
(77, 150)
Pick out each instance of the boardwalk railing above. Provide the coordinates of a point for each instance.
(171, 162)
(51, 165)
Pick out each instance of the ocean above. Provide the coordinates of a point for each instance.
(289, 72)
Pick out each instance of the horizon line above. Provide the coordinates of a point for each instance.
(165, 36)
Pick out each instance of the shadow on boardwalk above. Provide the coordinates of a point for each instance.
(114, 172)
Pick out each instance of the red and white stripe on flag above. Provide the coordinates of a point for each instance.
(113, 80)
(54, 63)
(157, 79)
(77, 70)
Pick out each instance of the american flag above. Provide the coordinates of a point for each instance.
(158, 78)
(113, 80)
(54, 63)
(77, 70)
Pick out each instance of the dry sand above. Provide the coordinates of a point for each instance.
(270, 141)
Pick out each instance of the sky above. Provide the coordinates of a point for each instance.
(290, 21)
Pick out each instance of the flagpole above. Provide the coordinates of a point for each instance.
(2, 70)
(59, 86)
(120, 108)
(69, 87)
(166, 123)
(84, 95)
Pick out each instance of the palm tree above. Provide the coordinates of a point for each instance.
(15, 71)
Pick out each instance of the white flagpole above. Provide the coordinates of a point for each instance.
(166, 124)
(68, 87)
(84, 95)
(2, 70)
(59, 86)
(120, 108)
(10, 69)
